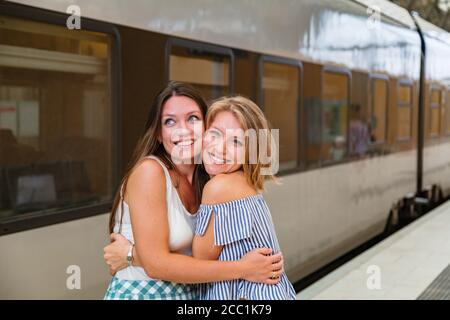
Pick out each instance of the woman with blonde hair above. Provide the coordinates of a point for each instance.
(235, 220)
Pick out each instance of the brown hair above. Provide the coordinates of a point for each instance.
(149, 143)
(250, 117)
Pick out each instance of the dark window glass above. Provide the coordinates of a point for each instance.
(280, 88)
(379, 108)
(447, 113)
(208, 72)
(404, 115)
(435, 113)
(335, 100)
(55, 117)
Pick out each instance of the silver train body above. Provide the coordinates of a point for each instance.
(321, 211)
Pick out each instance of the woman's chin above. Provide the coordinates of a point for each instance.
(187, 156)
(183, 160)
(214, 169)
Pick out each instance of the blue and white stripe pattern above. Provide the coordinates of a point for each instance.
(241, 226)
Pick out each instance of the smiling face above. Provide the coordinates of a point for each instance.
(182, 128)
(223, 144)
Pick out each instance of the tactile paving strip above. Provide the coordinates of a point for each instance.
(439, 289)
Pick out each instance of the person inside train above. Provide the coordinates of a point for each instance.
(233, 221)
(154, 211)
(359, 135)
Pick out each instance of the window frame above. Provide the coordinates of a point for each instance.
(346, 72)
(204, 47)
(430, 112)
(385, 78)
(405, 82)
(293, 63)
(33, 220)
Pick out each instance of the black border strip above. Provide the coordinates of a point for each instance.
(39, 219)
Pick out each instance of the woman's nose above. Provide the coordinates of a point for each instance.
(183, 129)
(183, 125)
(218, 147)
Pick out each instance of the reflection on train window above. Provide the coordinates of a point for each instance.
(335, 99)
(208, 72)
(404, 112)
(434, 116)
(404, 94)
(55, 132)
(379, 110)
(280, 89)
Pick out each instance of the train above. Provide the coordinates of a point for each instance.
(360, 91)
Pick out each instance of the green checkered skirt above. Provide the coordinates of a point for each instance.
(120, 289)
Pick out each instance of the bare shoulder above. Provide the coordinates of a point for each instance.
(226, 187)
(146, 171)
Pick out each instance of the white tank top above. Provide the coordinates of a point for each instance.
(181, 227)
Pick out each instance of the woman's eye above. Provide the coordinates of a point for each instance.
(237, 142)
(193, 118)
(210, 136)
(169, 122)
(213, 133)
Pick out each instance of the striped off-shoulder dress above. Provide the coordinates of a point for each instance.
(241, 226)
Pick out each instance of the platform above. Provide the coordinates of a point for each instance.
(413, 263)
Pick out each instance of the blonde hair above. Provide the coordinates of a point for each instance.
(250, 117)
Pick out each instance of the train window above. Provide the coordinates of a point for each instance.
(434, 115)
(379, 110)
(280, 96)
(335, 100)
(55, 119)
(206, 67)
(404, 115)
